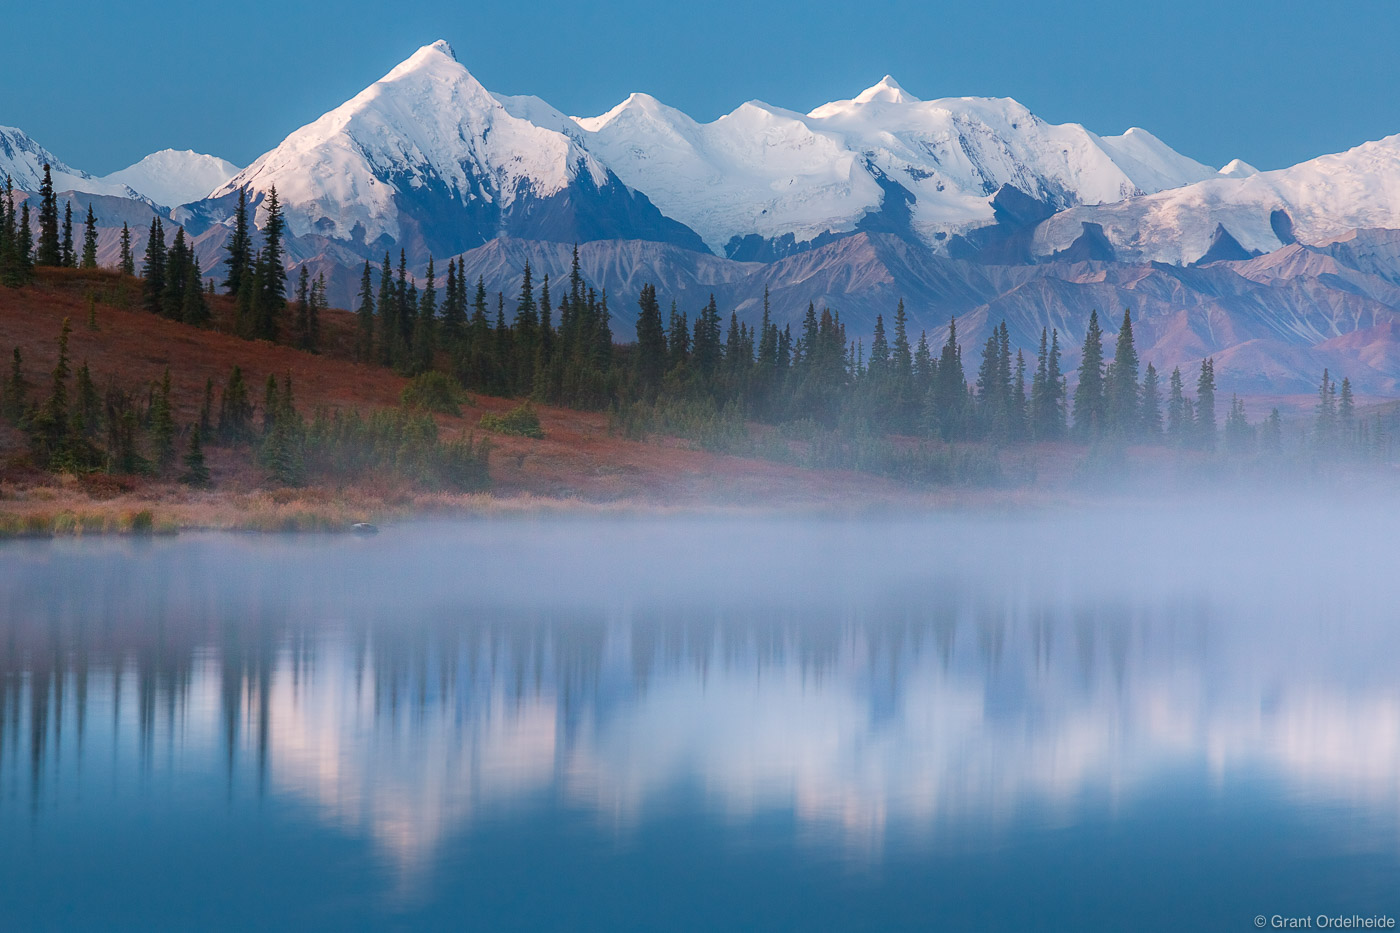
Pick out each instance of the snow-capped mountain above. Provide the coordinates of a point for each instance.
(23, 160)
(1312, 202)
(765, 171)
(428, 159)
(172, 177)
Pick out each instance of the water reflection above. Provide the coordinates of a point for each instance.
(865, 681)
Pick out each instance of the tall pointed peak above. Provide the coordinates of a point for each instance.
(430, 57)
(887, 90)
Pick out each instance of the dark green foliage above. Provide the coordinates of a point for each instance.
(194, 306)
(1205, 406)
(90, 240)
(435, 392)
(177, 269)
(1180, 424)
(1089, 402)
(364, 318)
(127, 261)
(650, 357)
(196, 470)
(1239, 434)
(395, 442)
(15, 244)
(123, 422)
(235, 410)
(69, 257)
(162, 419)
(301, 315)
(1271, 433)
(1122, 395)
(86, 417)
(1151, 418)
(239, 248)
(521, 421)
(153, 270)
(50, 431)
(270, 298)
(50, 252)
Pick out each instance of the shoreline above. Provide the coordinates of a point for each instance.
(66, 509)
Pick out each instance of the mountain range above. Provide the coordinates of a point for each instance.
(973, 207)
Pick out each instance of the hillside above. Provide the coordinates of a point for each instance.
(578, 459)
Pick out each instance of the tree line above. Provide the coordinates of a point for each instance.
(554, 344)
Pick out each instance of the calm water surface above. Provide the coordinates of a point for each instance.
(1176, 719)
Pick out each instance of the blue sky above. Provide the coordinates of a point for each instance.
(101, 84)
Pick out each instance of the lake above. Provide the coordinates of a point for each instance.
(1177, 717)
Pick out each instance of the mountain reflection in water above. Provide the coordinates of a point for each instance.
(930, 686)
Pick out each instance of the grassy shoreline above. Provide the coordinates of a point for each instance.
(67, 509)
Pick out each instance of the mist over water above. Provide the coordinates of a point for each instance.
(1179, 716)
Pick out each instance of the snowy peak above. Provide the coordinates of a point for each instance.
(1311, 202)
(23, 160)
(1238, 168)
(173, 177)
(429, 159)
(426, 129)
(886, 91)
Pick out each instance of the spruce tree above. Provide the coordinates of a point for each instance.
(364, 317)
(163, 425)
(1039, 386)
(177, 268)
(235, 410)
(1151, 428)
(1271, 433)
(196, 470)
(1019, 407)
(1056, 411)
(23, 248)
(302, 312)
(90, 239)
(49, 432)
(319, 305)
(1122, 399)
(70, 259)
(388, 319)
(273, 298)
(1178, 424)
(707, 351)
(650, 358)
(1089, 394)
(878, 370)
(50, 251)
(425, 324)
(153, 270)
(127, 263)
(86, 417)
(1205, 405)
(1325, 424)
(194, 308)
(949, 400)
(239, 249)
(1346, 414)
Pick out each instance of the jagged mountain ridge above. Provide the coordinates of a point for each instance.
(968, 206)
